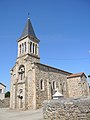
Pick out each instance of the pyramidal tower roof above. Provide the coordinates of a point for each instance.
(28, 30)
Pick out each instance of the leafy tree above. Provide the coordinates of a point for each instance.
(7, 94)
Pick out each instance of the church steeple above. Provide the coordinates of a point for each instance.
(28, 43)
(28, 30)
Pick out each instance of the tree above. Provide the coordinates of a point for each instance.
(7, 94)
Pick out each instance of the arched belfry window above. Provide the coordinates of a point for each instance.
(33, 47)
(21, 72)
(20, 49)
(30, 47)
(25, 46)
(36, 49)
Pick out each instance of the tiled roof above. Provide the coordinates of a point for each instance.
(77, 75)
(28, 30)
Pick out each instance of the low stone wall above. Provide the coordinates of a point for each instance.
(67, 109)
(5, 103)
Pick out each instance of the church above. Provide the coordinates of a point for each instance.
(33, 82)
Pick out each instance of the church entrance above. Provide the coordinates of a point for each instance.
(21, 102)
(20, 98)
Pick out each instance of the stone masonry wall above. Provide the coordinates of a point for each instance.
(67, 109)
(77, 86)
(5, 103)
(48, 75)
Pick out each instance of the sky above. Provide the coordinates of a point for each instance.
(63, 27)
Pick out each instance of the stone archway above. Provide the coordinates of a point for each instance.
(21, 72)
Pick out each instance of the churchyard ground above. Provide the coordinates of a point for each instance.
(6, 114)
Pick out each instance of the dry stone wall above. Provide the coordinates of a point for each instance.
(67, 109)
(5, 103)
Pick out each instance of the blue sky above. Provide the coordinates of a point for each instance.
(63, 27)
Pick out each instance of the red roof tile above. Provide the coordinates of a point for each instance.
(77, 75)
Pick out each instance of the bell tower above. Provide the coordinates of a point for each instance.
(22, 74)
(28, 43)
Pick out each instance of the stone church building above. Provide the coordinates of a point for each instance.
(33, 82)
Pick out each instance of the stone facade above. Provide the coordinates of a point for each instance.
(67, 109)
(2, 91)
(52, 78)
(33, 82)
(77, 85)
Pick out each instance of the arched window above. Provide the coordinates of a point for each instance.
(63, 88)
(33, 47)
(54, 85)
(30, 47)
(20, 49)
(42, 85)
(21, 72)
(84, 88)
(36, 49)
(25, 46)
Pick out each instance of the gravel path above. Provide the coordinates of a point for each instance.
(6, 114)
